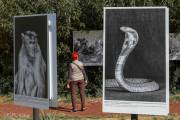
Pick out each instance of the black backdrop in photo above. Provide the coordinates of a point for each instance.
(37, 24)
(147, 60)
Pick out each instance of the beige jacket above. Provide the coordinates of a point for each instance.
(75, 73)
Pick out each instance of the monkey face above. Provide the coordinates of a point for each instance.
(30, 43)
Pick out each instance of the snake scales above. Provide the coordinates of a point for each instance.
(131, 84)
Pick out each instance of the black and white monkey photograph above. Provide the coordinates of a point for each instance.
(29, 79)
(30, 58)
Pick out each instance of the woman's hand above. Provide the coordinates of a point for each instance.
(68, 84)
(86, 82)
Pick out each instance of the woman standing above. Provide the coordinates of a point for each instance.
(77, 78)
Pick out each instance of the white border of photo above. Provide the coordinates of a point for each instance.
(138, 107)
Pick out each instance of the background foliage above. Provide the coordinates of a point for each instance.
(71, 15)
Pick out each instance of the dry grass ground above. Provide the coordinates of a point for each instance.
(9, 111)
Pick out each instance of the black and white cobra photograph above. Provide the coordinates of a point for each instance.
(89, 45)
(135, 55)
(31, 56)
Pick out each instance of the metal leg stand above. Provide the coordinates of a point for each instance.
(36, 114)
(134, 117)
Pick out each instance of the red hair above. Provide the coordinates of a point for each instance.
(75, 55)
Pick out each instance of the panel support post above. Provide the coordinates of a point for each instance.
(134, 117)
(36, 114)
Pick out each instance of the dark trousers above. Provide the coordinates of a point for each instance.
(81, 85)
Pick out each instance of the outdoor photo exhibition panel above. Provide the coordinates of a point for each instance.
(136, 60)
(89, 45)
(174, 46)
(35, 63)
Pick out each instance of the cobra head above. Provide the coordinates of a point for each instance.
(131, 39)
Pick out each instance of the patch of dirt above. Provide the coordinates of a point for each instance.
(10, 109)
(93, 109)
(175, 107)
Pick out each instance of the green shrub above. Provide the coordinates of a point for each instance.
(71, 15)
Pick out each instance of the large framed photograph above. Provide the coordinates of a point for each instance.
(89, 45)
(174, 46)
(35, 72)
(136, 60)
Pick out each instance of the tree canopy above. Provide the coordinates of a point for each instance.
(71, 15)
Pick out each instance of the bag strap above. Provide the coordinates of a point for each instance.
(77, 65)
(84, 74)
